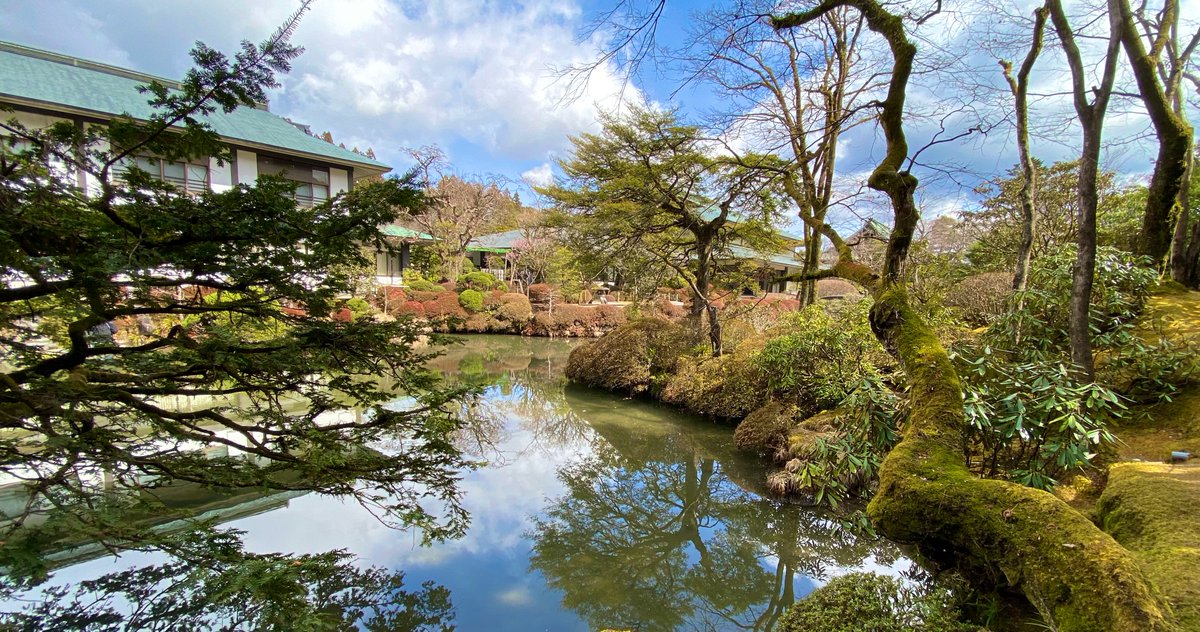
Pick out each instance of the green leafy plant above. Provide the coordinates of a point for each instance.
(1034, 421)
(836, 467)
(471, 300)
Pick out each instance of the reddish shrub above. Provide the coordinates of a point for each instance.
(409, 308)
(342, 315)
(445, 305)
(450, 286)
(542, 292)
(514, 308)
(609, 316)
(491, 300)
(424, 297)
(392, 295)
(789, 304)
(478, 323)
(670, 310)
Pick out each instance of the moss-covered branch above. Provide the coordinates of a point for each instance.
(1077, 576)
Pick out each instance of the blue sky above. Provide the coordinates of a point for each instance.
(477, 78)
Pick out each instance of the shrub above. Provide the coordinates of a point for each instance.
(608, 317)
(472, 300)
(409, 308)
(444, 306)
(729, 387)
(867, 601)
(449, 286)
(514, 308)
(478, 323)
(421, 285)
(424, 297)
(670, 310)
(1031, 417)
(979, 299)
(542, 293)
(478, 281)
(634, 357)
(818, 360)
(358, 307)
(390, 296)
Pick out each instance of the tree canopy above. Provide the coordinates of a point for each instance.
(151, 338)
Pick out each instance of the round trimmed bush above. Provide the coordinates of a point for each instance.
(514, 307)
(472, 300)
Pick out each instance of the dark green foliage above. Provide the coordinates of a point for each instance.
(479, 281)
(238, 286)
(1031, 417)
(471, 300)
(821, 357)
(866, 602)
(837, 466)
(216, 585)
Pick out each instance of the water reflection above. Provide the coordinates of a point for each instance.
(659, 530)
(593, 511)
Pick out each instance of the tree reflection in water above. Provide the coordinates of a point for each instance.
(663, 524)
(663, 527)
(660, 524)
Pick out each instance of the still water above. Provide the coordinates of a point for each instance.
(593, 512)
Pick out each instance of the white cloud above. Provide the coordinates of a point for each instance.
(540, 176)
(473, 76)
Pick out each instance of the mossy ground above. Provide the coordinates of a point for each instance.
(1151, 507)
(1153, 510)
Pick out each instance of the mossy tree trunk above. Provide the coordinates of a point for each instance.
(1019, 86)
(1077, 576)
(1166, 199)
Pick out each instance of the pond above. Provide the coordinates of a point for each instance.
(593, 511)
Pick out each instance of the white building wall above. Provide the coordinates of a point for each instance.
(339, 181)
(220, 175)
(247, 167)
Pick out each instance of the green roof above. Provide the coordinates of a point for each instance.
(710, 213)
(392, 230)
(742, 252)
(50, 79)
(496, 242)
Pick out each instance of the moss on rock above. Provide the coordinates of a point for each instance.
(765, 431)
(633, 357)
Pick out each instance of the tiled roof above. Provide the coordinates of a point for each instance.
(393, 230)
(51, 80)
(710, 213)
(742, 252)
(496, 242)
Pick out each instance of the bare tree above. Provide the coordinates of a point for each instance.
(1020, 90)
(1091, 119)
(458, 210)
(794, 93)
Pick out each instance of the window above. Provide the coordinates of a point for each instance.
(387, 264)
(312, 183)
(191, 177)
